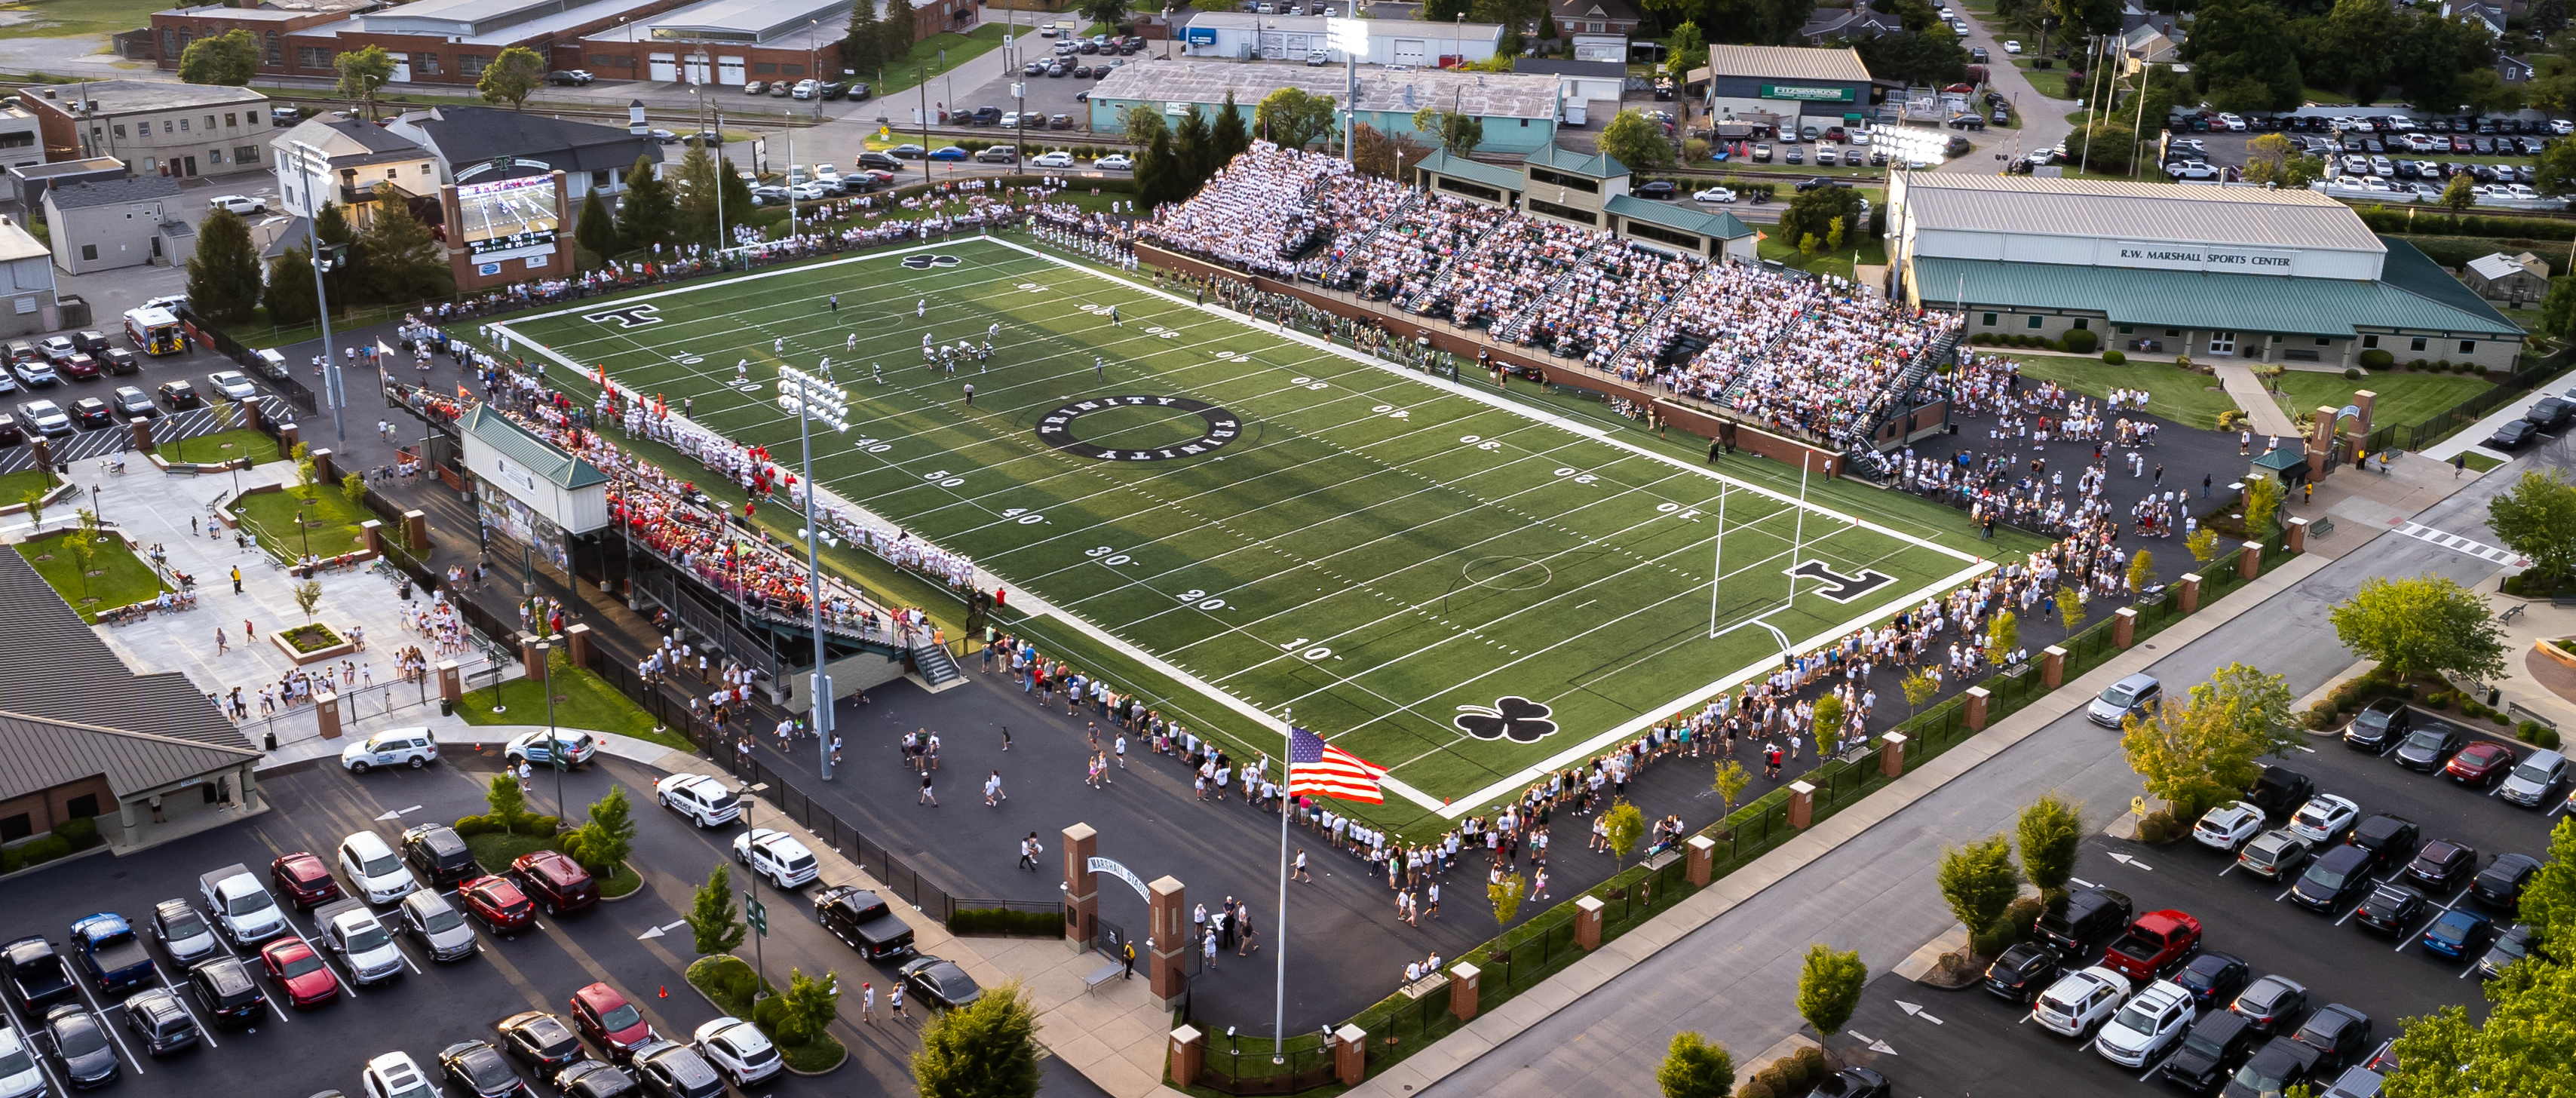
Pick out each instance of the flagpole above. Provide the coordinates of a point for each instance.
(1279, 929)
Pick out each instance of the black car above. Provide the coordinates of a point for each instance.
(2281, 1064)
(2513, 435)
(479, 1071)
(36, 973)
(1657, 189)
(2336, 876)
(91, 412)
(987, 116)
(1818, 183)
(879, 161)
(2379, 724)
(89, 342)
(118, 360)
(2280, 791)
(439, 855)
(2551, 413)
(227, 992)
(2213, 978)
(2390, 840)
(2090, 918)
(178, 394)
(2512, 945)
(2390, 909)
(862, 920)
(938, 982)
(132, 403)
(1851, 1082)
(541, 1039)
(2023, 972)
(80, 1046)
(832, 89)
(160, 1022)
(11, 433)
(2500, 885)
(2214, 1046)
(594, 1079)
(2430, 746)
(668, 1069)
(2340, 1034)
(2441, 865)
(570, 78)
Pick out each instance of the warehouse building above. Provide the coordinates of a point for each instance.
(732, 42)
(157, 127)
(268, 24)
(1244, 36)
(1818, 87)
(451, 41)
(2235, 272)
(1519, 112)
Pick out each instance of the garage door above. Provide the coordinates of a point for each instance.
(1411, 51)
(666, 68)
(402, 68)
(695, 68)
(729, 72)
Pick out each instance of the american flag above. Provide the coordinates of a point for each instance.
(1318, 767)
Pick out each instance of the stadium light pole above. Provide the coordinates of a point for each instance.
(816, 398)
(812, 28)
(311, 159)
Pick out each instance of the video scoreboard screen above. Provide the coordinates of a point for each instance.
(508, 216)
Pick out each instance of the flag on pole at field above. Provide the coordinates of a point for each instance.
(1318, 767)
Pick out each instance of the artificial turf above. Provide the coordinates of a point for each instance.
(1396, 562)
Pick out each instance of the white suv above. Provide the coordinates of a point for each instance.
(2148, 1025)
(375, 869)
(704, 800)
(413, 747)
(739, 1050)
(394, 1075)
(19, 1076)
(2079, 1001)
(778, 856)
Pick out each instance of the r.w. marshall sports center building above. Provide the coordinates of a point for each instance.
(2210, 272)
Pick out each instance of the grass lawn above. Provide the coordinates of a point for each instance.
(494, 851)
(717, 976)
(224, 446)
(2050, 82)
(116, 576)
(2404, 398)
(64, 18)
(2172, 391)
(1873, 253)
(330, 521)
(2480, 462)
(901, 73)
(582, 700)
(15, 486)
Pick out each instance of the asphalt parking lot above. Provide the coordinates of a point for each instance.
(1971, 1042)
(636, 945)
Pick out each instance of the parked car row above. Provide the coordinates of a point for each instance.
(54, 419)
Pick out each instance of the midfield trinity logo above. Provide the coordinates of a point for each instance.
(926, 262)
(627, 316)
(1513, 718)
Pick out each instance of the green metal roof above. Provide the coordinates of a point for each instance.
(1491, 175)
(1595, 166)
(1720, 226)
(2405, 298)
(521, 445)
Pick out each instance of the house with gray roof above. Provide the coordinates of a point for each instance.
(104, 224)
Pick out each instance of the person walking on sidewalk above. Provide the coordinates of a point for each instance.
(1030, 848)
(927, 797)
(868, 1002)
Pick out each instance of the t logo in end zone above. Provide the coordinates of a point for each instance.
(630, 316)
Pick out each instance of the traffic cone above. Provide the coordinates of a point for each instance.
(666, 991)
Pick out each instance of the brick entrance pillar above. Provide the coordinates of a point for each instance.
(2124, 627)
(1189, 1050)
(415, 530)
(1802, 805)
(2052, 667)
(532, 655)
(1081, 886)
(323, 474)
(1462, 991)
(1974, 709)
(2249, 560)
(577, 642)
(1703, 852)
(371, 536)
(2297, 538)
(326, 711)
(2188, 590)
(451, 685)
(1168, 917)
(1587, 923)
(1891, 754)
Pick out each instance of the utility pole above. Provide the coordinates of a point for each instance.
(325, 256)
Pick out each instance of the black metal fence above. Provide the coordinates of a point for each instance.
(280, 378)
(2416, 436)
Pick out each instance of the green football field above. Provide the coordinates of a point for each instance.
(1452, 583)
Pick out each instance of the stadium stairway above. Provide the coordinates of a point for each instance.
(938, 670)
(1901, 391)
(1336, 271)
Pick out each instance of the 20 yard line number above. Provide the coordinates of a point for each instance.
(1112, 557)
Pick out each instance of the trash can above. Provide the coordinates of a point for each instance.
(446, 708)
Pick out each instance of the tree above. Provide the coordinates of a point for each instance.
(647, 213)
(2202, 544)
(2547, 17)
(1385, 155)
(362, 71)
(2050, 829)
(1919, 688)
(81, 546)
(1812, 213)
(2272, 159)
(2558, 310)
(1107, 13)
(1458, 134)
(332, 227)
(1229, 139)
(2242, 49)
(354, 486)
(1292, 119)
(1141, 121)
(1621, 826)
(1829, 987)
(2424, 626)
(2537, 518)
(2199, 751)
(401, 260)
(2105, 146)
(1730, 782)
(223, 277)
(713, 919)
(696, 191)
(308, 595)
(1157, 176)
(863, 47)
(1979, 881)
(34, 501)
(901, 29)
(2142, 571)
(1686, 48)
(596, 231)
(289, 292)
(1828, 720)
(1506, 896)
(812, 1003)
(2089, 16)
(507, 804)
(737, 198)
(1216, 5)
(1193, 153)
(1696, 1067)
(511, 76)
(2002, 634)
(1636, 141)
(603, 843)
(2070, 606)
(230, 58)
(1932, 56)
(2557, 169)
(989, 1049)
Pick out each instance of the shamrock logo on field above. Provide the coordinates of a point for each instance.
(926, 262)
(1514, 718)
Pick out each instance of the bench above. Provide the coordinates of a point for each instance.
(1105, 973)
(2562, 601)
(1425, 986)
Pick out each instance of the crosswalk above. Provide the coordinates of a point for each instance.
(2458, 544)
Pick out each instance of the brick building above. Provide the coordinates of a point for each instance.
(268, 24)
(156, 127)
(730, 43)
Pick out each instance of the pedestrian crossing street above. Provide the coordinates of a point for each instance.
(2458, 544)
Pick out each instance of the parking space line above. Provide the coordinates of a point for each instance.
(204, 1032)
(252, 966)
(100, 1014)
(28, 1038)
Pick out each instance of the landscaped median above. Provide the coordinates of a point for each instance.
(738, 991)
(1549, 942)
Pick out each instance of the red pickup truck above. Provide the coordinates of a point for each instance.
(2156, 943)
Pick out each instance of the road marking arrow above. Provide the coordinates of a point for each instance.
(398, 813)
(1917, 1011)
(658, 931)
(1882, 1046)
(2132, 863)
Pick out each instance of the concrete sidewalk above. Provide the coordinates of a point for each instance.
(2249, 394)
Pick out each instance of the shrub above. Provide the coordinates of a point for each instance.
(2321, 716)
(1810, 1063)
(2481, 368)
(1755, 1088)
(2158, 828)
(1776, 1077)
(2352, 373)
(2442, 367)
(2438, 701)
(44, 850)
(2116, 358)
(2377, 359)
(2024, 912)
(1993, 940)
(82, 833)
(2082, 341)
(2544, 736)
(470, 826)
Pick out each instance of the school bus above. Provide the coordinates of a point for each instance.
(154, 331)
